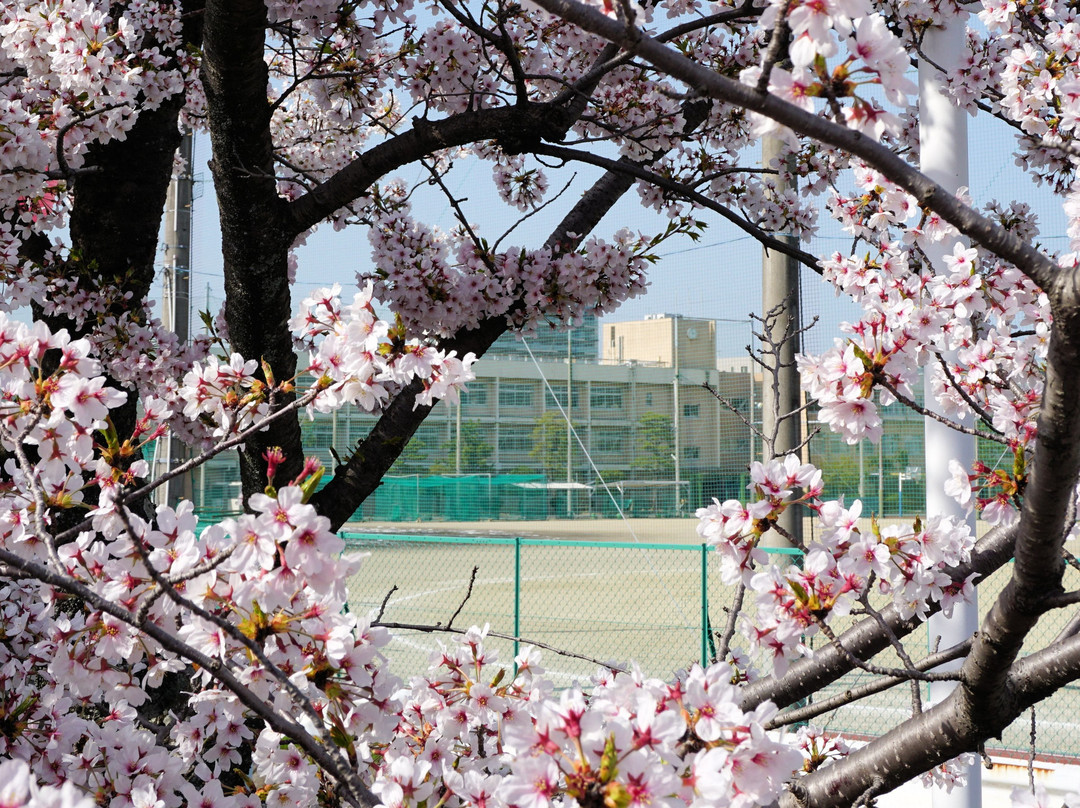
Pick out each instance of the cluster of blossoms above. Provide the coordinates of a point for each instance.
(842, 568)
(247, 618)
(360, 359)
(475, 733)
(421, 267)
(979, 329)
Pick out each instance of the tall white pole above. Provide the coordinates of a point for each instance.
(177, 293)
(569, 422)
(779, 398)
(944, 159)
(676, 405)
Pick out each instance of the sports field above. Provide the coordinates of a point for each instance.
(612, 590)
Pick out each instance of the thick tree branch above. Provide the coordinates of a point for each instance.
(638, 171)
(1041, 269)
(255, 239)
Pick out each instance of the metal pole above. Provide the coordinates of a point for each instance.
(704, 604)
(944, 159)
(569, 420)
(780, 285)
(517, 595)
(457, 438)
(675, 399)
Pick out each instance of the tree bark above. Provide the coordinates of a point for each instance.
(255, 238)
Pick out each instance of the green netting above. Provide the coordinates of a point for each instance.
(467, 498)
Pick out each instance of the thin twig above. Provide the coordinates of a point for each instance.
(207, 566)
(809, 712)
(382, 606)
(869, 667)
(429, 629)
(898, 647)
(733, 617)
(464, 600)
(732, 408)
(866, 799)
(912, 404)
(776, 44)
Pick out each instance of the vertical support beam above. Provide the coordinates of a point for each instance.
(780, 285)
(944, 159)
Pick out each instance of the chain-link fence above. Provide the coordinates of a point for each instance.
(657, 604)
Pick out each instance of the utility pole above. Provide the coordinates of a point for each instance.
(944, 159)
(780, 292)
(176, 301)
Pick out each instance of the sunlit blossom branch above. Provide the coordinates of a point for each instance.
(184, 603)
(984, 416)
(198, 460)
(1040, 268)
(199, 569)
(357, 793)
(28, 469)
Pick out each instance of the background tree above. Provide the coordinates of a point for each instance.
(655, 446)
(549, 445)
(476, 452)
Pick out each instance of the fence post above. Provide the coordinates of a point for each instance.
(704, 605)
(517, 595)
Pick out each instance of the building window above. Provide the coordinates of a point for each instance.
(691, 410)
(555, 396)
(610, 440)
(515, 395)
(477, 395)
(691, 452)
(515, 439)
(648, 399)
(606, 397)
